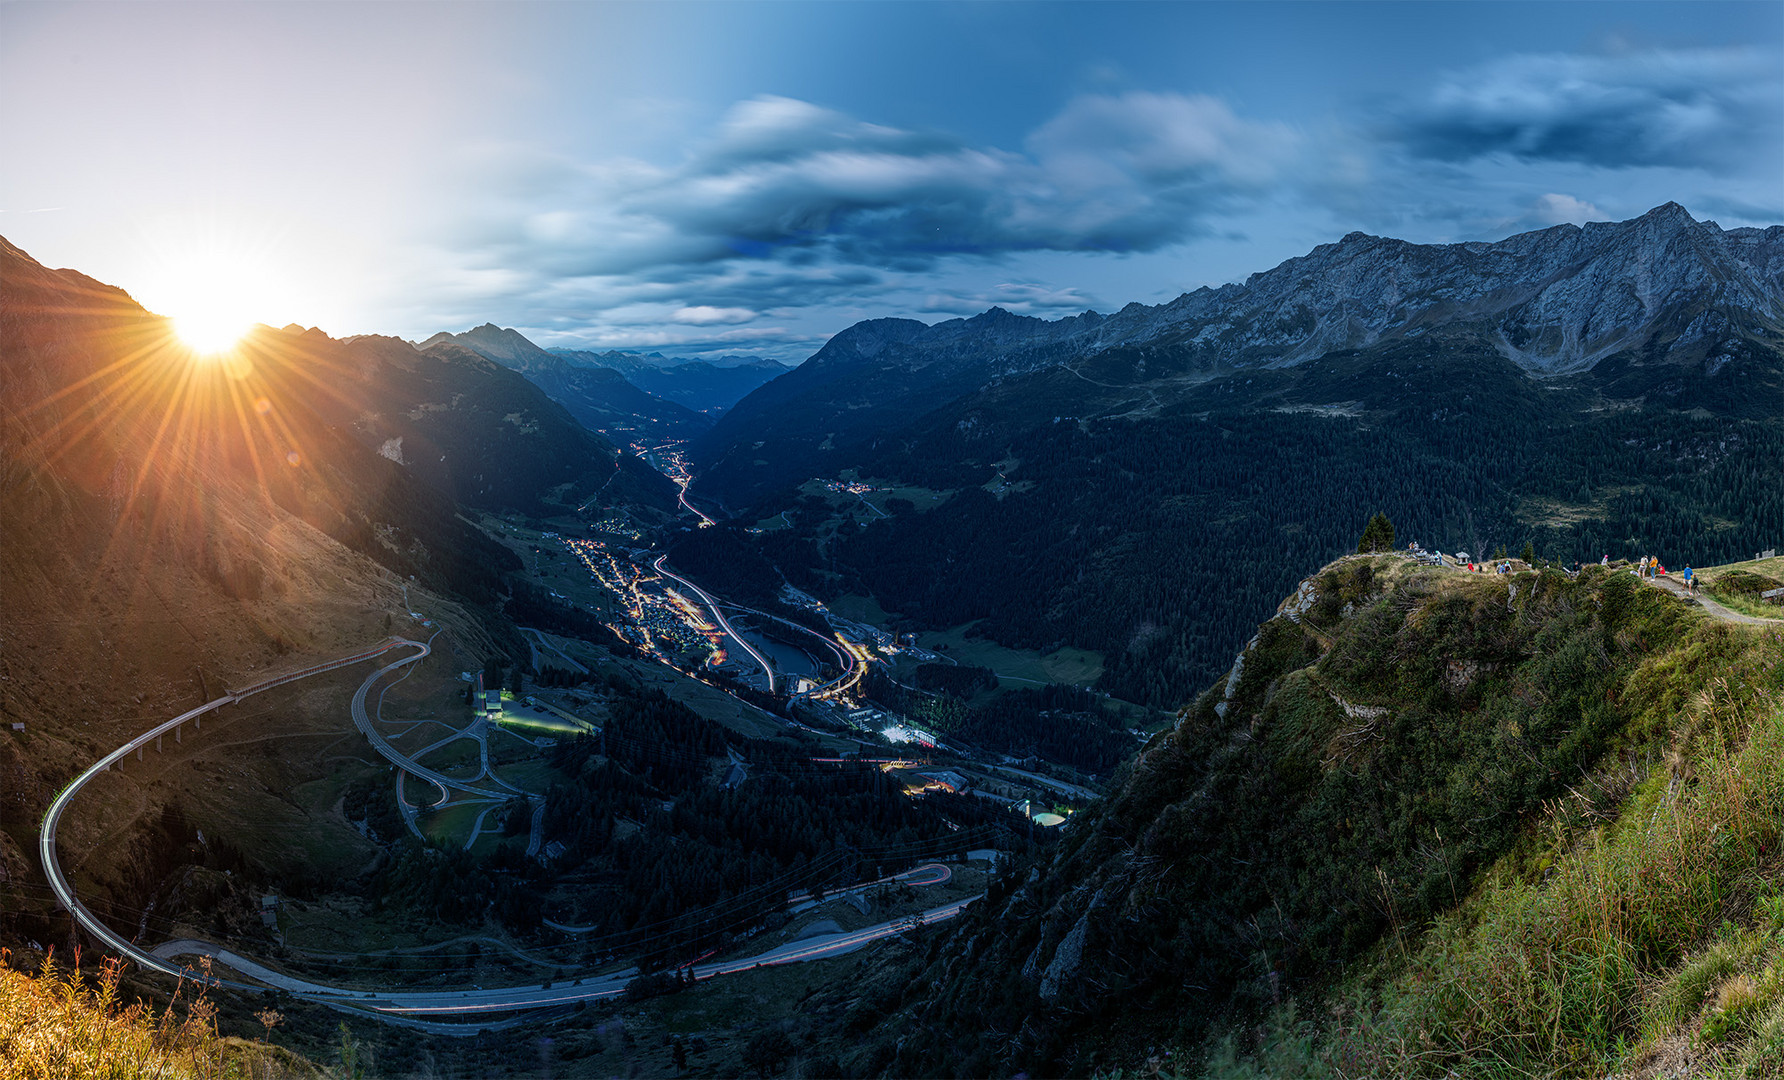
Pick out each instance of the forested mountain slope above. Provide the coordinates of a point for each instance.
(463, 425)
(708, 386)
(1461, 822)
(1146, 492)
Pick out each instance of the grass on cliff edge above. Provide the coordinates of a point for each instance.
(63, 1024)
(1648, 942)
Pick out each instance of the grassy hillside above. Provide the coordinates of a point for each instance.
(1522, 826)
(1637, 936)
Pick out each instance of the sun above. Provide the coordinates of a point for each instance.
(209, 299)
(212, 289)
(210, 331)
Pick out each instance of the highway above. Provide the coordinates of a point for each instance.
(672, 465)
(824, 946)
(1046, 781)
(682, 498)
(474, 1003)
(927, 874)
(52, 817)
(718, 616)
(842, 658)
(860, 658)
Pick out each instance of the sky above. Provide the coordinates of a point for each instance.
(751, 178)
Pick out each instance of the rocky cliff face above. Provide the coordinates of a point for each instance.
(1552, 301)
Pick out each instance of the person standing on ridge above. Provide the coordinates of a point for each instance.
(1690, 581)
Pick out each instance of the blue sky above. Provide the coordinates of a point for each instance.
(752, 178)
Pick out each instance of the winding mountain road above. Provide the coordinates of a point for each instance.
(52, 817)
(479, 1009)
(363, 721)
(538, 641)
(472, 1004)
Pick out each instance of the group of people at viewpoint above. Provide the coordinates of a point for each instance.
(1650, 567)
(1462, 561)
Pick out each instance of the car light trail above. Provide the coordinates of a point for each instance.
(713, 606)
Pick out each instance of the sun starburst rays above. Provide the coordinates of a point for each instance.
(173, 429)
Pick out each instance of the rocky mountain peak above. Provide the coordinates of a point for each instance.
(1670, 213)
(503, 345)
(1552, 300)
(867, 339)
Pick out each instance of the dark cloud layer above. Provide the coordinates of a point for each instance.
(1704, 108)
(789, 180)
(787, 207)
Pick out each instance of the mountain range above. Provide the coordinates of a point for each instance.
(632, 398)
(1145, 484)
(709, 385)
(600, 398)
(1659, 306)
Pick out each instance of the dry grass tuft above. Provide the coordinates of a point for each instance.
(65, 1025)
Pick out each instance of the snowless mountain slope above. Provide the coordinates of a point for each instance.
(1663, 292)
(602, 399)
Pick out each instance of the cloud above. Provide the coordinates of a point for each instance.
(1021, 297)
(706, 315)
(791, 181)
(791, 213)
(787, 205)
(1734, 212)
(689, 342)
(772, 129)
(1701, 108)
(1553, 209)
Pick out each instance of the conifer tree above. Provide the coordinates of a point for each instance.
(1378, 535)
